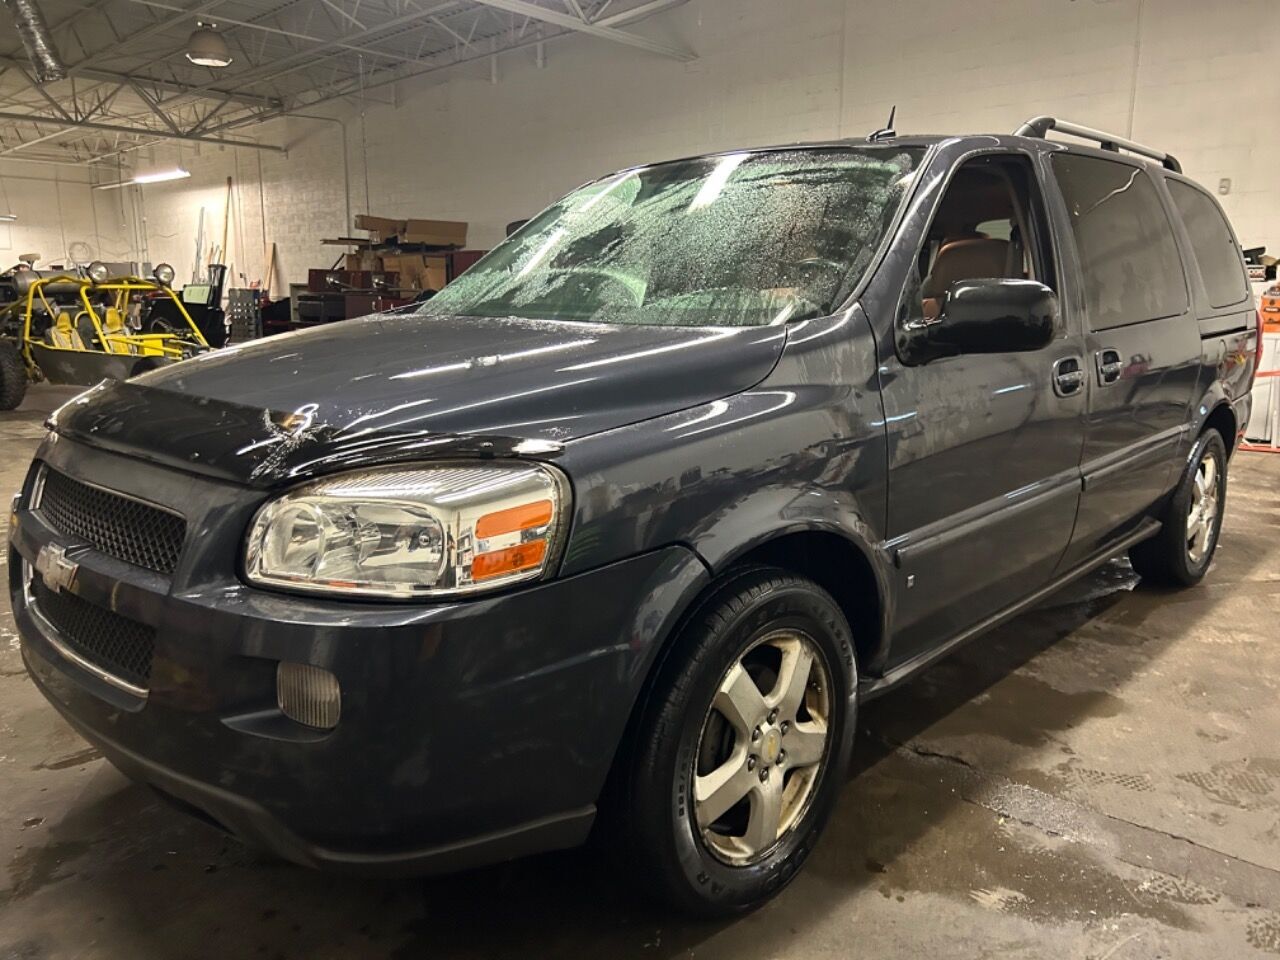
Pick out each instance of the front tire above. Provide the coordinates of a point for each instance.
(13, 377)
(1180, 554)
(743, 746)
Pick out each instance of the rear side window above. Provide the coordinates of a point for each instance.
(1215, 248)
(1132, 271)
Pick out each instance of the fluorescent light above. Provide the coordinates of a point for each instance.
(8, 217)
(160, 176)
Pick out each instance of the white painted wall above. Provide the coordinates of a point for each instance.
(1175, 73)
(54, 208)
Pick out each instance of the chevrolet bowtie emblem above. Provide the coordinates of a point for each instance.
(54, 568)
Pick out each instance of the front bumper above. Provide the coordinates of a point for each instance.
(470, 731)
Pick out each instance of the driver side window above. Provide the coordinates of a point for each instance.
(989, 225)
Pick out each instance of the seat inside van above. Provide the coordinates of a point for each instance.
(976, 235)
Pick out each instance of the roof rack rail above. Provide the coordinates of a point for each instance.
(1040, 126)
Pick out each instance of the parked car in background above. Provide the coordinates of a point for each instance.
(622, 527)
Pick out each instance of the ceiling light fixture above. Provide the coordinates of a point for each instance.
(206, 48)
(8, 217)
(160, 176)
(177, 173)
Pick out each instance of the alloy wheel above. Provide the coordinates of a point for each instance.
(762, 747)
(1203, 512)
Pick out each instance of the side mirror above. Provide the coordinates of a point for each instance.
(992, 316)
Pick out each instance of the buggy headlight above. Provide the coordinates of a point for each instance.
(163, 273)
(98, 272)
(425, 531)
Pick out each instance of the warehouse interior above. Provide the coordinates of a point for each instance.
(1097, 776)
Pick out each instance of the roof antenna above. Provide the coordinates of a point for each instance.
(886, 132)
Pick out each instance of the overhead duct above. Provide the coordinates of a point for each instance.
(36, 40)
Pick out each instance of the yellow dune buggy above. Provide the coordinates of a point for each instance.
(82, 329)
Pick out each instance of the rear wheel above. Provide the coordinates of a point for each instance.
(744, 745)
(13, 377)
(1180, 554)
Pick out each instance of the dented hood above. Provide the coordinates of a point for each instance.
(395, 387)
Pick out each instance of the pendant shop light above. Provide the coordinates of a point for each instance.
(207, 48)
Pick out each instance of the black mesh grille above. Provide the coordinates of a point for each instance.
(134, 532)
(118, 645)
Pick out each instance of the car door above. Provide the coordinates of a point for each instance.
(984, 449)
(1141, 341)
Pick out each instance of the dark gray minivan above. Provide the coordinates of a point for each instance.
(628, 520)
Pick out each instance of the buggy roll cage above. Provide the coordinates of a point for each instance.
(1040, 127)
(165, 345)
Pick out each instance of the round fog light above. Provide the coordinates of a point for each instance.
(308, 695)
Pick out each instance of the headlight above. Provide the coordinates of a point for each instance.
(425, 531)
(163, 273)
(98, 272)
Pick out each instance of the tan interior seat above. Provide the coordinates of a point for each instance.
(971, 258)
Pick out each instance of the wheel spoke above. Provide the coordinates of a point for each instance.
(740, 700)
(1201, 536)
(793, 679)
(1209, 470)
(766, 815)
(805, 742)
(717, 792)
(1193, 517)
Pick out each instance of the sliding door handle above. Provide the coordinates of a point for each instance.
(1109, 366)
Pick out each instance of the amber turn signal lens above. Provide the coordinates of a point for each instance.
(498, 563)
(527, 516)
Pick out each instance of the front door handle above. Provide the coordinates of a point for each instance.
(1068, 378)
(1109, 366)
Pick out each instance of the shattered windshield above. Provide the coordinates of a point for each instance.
(739, 240)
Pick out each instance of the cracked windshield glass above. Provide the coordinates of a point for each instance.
(740, 240)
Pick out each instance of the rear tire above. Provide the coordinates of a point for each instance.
(716, 817)
(1180, 554)
(13, 377)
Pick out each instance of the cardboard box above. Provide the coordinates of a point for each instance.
(435, 233)
(380, 228)
(418, 272)
(364, 260)
(438, 233)
(434, 274)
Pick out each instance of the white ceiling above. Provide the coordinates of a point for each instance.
(129, 83)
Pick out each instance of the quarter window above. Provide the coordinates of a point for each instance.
(1128, 257)
(1214, 246)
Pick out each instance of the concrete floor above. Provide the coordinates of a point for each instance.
(1099, 778)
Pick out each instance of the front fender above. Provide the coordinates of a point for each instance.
(778, 513)
(803, 450)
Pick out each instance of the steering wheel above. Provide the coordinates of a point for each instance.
(811, 265)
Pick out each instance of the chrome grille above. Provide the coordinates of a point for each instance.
(112, 523)
(115, 644)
